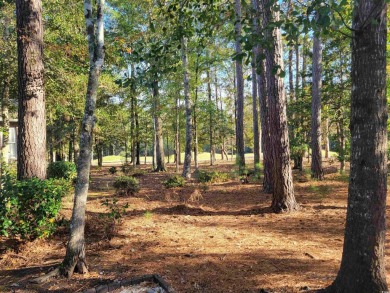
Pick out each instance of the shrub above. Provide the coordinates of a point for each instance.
(174, 181)
(115, 211)
(127, 185)
(29, 208)
(112, 170)
(62, 169)
(211, 177)
(127, 168)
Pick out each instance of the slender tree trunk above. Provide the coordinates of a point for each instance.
(290, 75)
(159, 142)
(316, 156)
(256, 133)
(211, 122)
(195, 116)
(75, 252)
(188, 103)
(177, 137)
(138, 142)
(5, 103)
(283, 191)
(99, 153)
(362, 266)
(31, 111)
(264, 113)
(240, 157)
(297, 58)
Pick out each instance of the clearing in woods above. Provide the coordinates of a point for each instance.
(219, 237)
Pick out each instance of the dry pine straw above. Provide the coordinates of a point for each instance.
(224, 240)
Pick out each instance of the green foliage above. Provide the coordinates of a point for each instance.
(174, 181)
(115, 211)
(62, 169)
(127, 168)
(126, 185)
(112, 170)
(29, 208)
(211, 177)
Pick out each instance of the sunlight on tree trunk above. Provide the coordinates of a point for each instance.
(362, 266)
(75, 253)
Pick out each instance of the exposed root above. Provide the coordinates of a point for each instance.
(43, 279)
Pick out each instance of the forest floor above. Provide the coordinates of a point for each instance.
(219, 237)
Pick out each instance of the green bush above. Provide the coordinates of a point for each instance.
(29, 208)
(112, 170)
(62, 169)
(127, 185)
(174, 181)
(211, 177)
(127, 168)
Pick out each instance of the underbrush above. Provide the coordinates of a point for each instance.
(174, 181)
(29, 208)
(211, 176)
(126, 185)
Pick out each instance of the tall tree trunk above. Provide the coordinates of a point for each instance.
(240, 157)
(290, 75)
(177, 137)
(297, 58)
(264, 112)
(316, 156)
(137, 136)
(194, 115)
(159, 142)
(283, 199)
(31, 112)
(211, 120)
(75, 252)
(5, 103)
(256, 133)
(362, 266)
(188, 103)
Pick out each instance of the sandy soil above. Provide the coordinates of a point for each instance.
(219, 237)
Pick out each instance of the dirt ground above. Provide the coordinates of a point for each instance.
(219, 237)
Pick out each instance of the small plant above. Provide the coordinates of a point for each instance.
(126, 185)
(174, 181)
(115, 211)
(112, 170)
(62, 169)
(138, 173)
(148, 214)
(211, 177)
(127, 168)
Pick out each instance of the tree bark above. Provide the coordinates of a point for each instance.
(240, 157)
(211, 123)
(316, 156)
(31, 112)
(256, 132)
(75, 253)
(363, 266)
(283, 199)
(159, 142)
(177, 137)
(264, 111)
(5, 103)
(188, 104)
